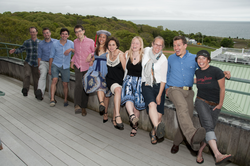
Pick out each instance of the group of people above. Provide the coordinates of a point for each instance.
(139, 79)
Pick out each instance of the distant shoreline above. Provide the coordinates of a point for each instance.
(233, 29)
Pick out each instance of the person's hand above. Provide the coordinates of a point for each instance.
(88, 59)
(49, 71)
(12, 51)
(72, 65)
(158, 100)
(91, 63)
(217, 107)
(66, 53)
(227, 74)
(166, 92)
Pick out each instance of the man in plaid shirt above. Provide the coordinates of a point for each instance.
(30, 63)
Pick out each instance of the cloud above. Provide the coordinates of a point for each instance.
(222, 10)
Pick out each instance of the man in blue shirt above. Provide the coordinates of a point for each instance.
(59, 62)
(180, 79)
(30, 63)
(44, 48)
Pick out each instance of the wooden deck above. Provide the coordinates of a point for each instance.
(33, 133)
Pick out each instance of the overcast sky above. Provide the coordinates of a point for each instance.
(219, 10)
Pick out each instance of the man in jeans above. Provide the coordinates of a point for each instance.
(44, 48)
(30, 63)
(82, 59)
(59, 62)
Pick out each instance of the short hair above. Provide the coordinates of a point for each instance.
(163, 41)
(34, 28)
(64, 29)
(184, 40)
(78, 26)
(46, 28)
(130, 52)
(114, 39)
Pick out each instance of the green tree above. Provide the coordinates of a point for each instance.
(226, 42)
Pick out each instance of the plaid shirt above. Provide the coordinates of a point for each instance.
(31, 48)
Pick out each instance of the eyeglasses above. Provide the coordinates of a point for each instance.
(157, 45)
(78, 31)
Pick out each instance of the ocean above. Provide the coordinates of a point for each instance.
(233, 29)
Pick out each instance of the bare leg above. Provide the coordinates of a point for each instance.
(212, 143)
(117, 102)
(199, 156)
(100, 95)
(65, 90)
(153, 114)
(53, 89)
(106, 103)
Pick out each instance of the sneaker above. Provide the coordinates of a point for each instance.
(39, 94)
(25, 92)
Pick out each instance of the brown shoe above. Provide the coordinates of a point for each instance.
(78, 109)
(197, 138)
(84, 112)
(174, 149)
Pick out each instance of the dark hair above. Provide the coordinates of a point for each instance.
(114, 39)
(78, 26)
(46, 28)
(64, 29)
(184, 40)
(98, 45)
(204, 53)
(34, 28)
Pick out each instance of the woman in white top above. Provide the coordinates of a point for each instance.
(154, 73)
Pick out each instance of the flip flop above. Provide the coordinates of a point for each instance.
(202, 161)
(225, 158)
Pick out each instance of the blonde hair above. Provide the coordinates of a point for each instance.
(130, 51)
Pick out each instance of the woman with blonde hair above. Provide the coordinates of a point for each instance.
(131, 89)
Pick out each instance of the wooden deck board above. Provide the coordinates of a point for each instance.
(57, 136)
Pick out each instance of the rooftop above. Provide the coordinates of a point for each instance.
(33, 133)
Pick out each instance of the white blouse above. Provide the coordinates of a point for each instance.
(160, 67)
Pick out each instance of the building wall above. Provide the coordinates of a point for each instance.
(232, 133)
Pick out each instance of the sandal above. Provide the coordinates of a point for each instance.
(101, 108)
(133, 119)
(153, 138)
(120, 126)
(135, 127)
(105, 120)
(200, 161)
(115, 125)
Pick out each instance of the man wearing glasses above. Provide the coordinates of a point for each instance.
(82, 59)
(59, 62)
(44, 48)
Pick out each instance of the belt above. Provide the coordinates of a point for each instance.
(208, 102)
(184, 87)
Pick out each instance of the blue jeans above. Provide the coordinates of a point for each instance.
(208, 118)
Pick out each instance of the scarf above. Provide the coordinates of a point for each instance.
(149, 68)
